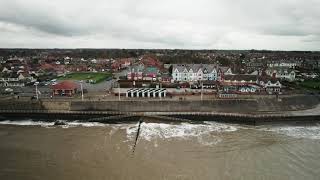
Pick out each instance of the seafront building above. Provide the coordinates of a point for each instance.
(65, 88)
(13, 81)
(281, 73)
(198, 72)
(284, 64)
(250, 84)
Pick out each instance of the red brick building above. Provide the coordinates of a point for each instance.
(64, 88)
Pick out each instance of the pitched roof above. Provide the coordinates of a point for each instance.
(151, 70)
(266, 78)
(195, 67)
(279, 69)
(241, 77)
(46, 66)
(68, 85)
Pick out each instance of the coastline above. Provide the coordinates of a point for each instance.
(288, 110)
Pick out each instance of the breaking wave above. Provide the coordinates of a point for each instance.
(84, 124)
(308, 132)
(204, 133)
(27, 123)
(50, 124)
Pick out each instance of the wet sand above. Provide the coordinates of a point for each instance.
(163, 151)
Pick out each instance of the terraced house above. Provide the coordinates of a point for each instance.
(198, 72)
(281, 73)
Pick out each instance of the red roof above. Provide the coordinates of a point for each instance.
(151, 61)
(46, 66)
(66, 85)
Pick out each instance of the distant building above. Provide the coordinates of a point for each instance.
(283, 63)
(65, 88)
(311, 64)
(198, 72)
(151, 72)
(12, 80)
(250, 84)
(135, 73)
(271, 86)
(281, 73)
(122, 63)
(240, 84)
(254, 66)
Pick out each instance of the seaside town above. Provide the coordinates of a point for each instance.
(104, 74)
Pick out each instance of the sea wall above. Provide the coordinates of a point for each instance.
(167, 106)
(56, 105)
(34, 105)
(218, 105)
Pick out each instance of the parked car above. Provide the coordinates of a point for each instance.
(8, 90)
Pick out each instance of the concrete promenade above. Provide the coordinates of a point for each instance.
(308, 116)
(250, 111)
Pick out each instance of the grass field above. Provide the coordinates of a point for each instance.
(87, 76)
(311, 84)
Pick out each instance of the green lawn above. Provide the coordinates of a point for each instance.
(311, 84)
(87, 76)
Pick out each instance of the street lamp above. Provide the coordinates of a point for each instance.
(36, 84)
(114, 85)
(119, 90)
(81, 90)
(201, 90)
(160, 93)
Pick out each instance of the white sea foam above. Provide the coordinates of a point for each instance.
(85, 124)
(309, 132)
(51, 124)
(202, 132)
(27, 123)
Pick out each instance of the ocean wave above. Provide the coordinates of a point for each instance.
(83, 124)
(27, 123)
(51, 124)
(202, 132)
(308, 132)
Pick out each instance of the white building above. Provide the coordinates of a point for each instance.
(284, 64)
(198, 72)
(11, 82)
(271, 85)
(282, 73)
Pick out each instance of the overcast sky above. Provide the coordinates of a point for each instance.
(187, 24)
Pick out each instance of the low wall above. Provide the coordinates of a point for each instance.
(56, 105)
(167, 106)
(287, 103)
(34, 105)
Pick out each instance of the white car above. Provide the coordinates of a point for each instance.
(8, 90)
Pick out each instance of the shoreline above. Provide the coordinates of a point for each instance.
(287, 110)
(192, 117)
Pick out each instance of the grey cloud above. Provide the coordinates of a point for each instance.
(166, 23)
(41, 18)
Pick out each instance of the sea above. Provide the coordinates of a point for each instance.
(38, 150)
